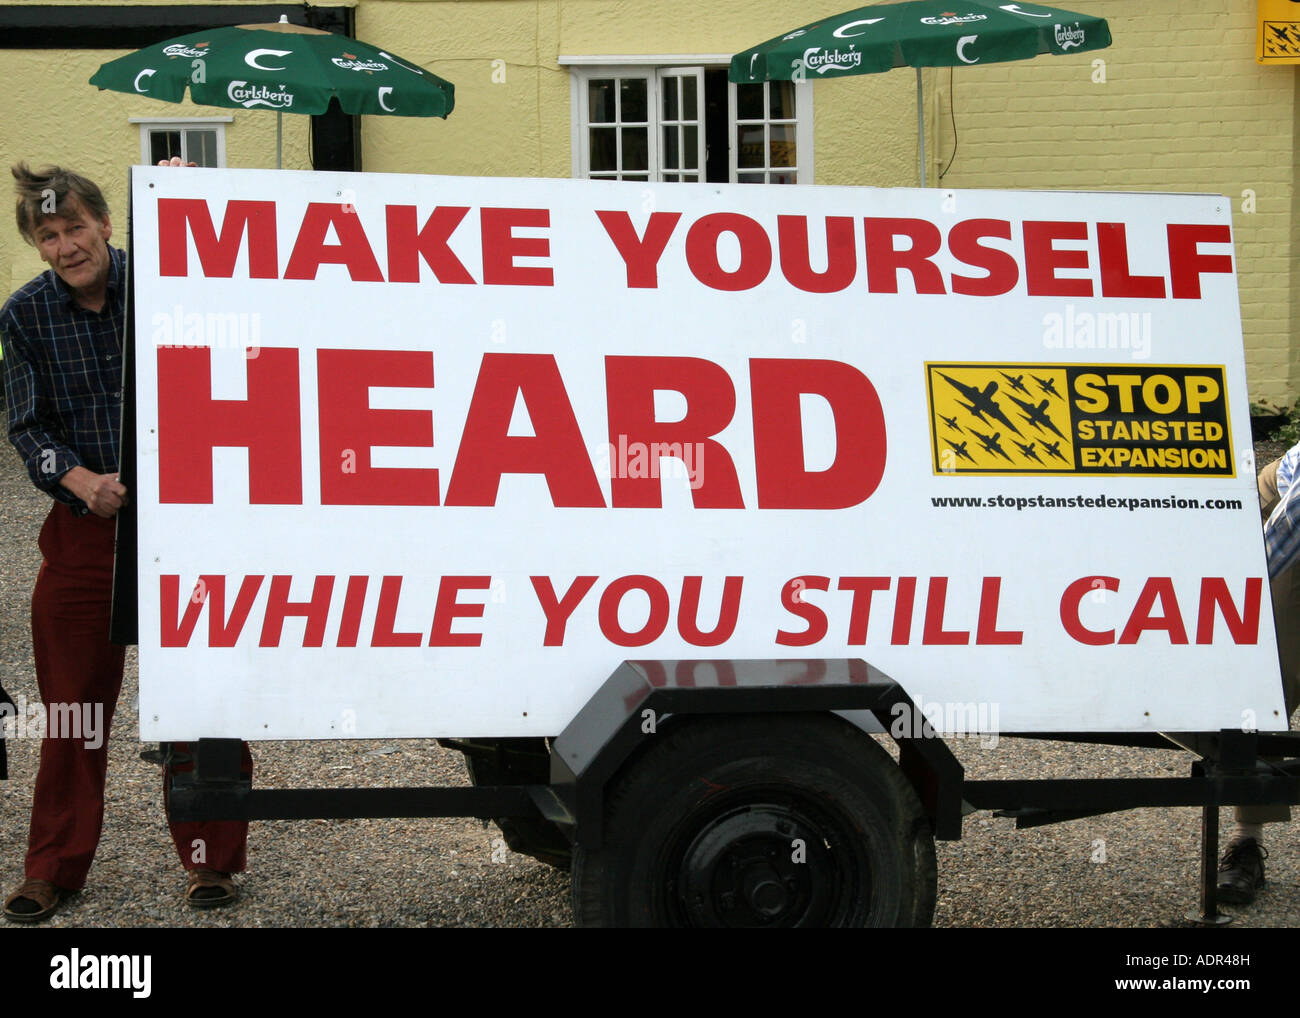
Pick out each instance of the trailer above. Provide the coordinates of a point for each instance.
(695, 517)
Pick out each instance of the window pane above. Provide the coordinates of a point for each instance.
(163, 145)
(782, 145)
(632, 99)
(635, 176)
(787, 177)
(749, 102)
(201, 147)
(670, 99)
(691, 147)
(671, 178)
(636, 149)
(750, 150)
(604, 152)
(672, 158)
(750, 178)
(690, 105)
(781, 99)
(600, 101)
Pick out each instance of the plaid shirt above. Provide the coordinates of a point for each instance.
(1282, 531)
(63, 378)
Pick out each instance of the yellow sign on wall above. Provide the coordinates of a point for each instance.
(1277, 38)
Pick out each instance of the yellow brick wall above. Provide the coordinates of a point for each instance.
(512, 96)
(1177, 103)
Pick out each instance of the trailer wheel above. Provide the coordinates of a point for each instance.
(520, 762)
(759, 820)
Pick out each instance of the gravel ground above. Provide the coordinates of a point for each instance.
(1135, 869)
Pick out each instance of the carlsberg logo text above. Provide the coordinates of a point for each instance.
(833, 59)
(258, 95)
(1068, 37)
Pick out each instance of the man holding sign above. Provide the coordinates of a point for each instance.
(63, 335)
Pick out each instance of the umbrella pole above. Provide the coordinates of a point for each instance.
(279, 128)
(920, 122)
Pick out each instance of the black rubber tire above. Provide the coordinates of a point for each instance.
(701, 828)
(521, 762)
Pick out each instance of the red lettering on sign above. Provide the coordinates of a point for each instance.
(884, 259)
(408, 243)
(655, 623)
(1157, 588)
(783, 482)
(860, 614)
(449, 608)
(1002, 270)
(501, 247)
(904, 600)
(354, 601)
(558, 610)
(630, 386)
(1187, 264)
(986, 630)
(310, 251)
(1243, 626)
(792, 600)
(555, 448)
(702, 251)
(349, 428)
(1042, 259)
(1070, 600)
(279, 607)
(933, 633)
(216, 255)
(1112, 260)
(640, 254)
(191, 424)
(390, 591)
(688, 615)
(175, 631)
(841, 254)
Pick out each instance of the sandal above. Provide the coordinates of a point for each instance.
(34, 902)
(209, 889)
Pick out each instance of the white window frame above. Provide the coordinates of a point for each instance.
(580, 113)
(681, 74)
(148, 124)
(583, 69)
(801, 137)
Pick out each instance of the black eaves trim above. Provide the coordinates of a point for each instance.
(128, 27)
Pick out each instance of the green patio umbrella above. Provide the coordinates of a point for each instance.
(923, 33)
(282, 67)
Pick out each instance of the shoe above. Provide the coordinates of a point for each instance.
(209, 889)
(1241, 871)
(34, 902)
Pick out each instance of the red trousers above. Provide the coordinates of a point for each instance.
(76, 664)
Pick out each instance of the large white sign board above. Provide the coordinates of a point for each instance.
(430, 456)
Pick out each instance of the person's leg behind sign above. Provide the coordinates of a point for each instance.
(1241, 871)
(79, 675)
(210, 850)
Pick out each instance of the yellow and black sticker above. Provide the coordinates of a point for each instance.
(1278, 42)
(1152, 419)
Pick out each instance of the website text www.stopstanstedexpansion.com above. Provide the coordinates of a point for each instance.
(1023, 502)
